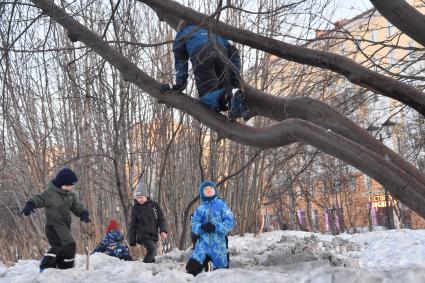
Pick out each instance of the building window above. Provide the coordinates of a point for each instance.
(367, 182)
(392, 57)
(315, 216)
(312, 191)
(343, 51)
(410, 53)
(353, 183)
(302, 219)
(373, 35)
(357, 41)
(375, 63)
(390, 29)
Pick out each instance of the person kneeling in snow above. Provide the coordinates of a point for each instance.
(113, 244)
(58, 202)
(212, 221)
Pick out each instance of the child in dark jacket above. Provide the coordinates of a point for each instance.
(58, 202)
(146, 220)
(212, 221)
(113, 244)
(216, 66)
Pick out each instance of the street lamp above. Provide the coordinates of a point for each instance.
(388, 125)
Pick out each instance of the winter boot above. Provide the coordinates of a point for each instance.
(237, 107)
(244, 111)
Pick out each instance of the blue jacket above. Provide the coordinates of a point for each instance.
(216, 211)
(189, 41)
(113, 244)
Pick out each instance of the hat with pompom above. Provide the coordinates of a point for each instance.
(113, 225)
(141, 190)
(65, 177)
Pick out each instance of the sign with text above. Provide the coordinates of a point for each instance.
(379, 200)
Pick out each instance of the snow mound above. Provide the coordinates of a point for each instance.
(280, 256)
(290, 251)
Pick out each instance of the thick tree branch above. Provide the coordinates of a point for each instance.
(406, 18)
(319, 113)
(354, 72)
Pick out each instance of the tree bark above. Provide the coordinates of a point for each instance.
(405, 17)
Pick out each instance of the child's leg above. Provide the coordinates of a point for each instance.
(204, 71)
(49, 259)
(150, 250)
(219, 255)
(214, 100)
(194, 238)
(67, 258)
(227, 248)
(207, 264)
(197, 261)
(193, 267)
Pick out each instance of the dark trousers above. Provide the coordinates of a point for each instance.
(211, 72)
(150, 246)
(61, 257)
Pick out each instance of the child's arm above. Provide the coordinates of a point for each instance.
(197, 222)
(228, 221)
(163, 227)
(76, 207)
(132, 229)
(181, 58)
(41, 200)
(101, 247)
(37, 201)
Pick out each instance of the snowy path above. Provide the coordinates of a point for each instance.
(280, 256)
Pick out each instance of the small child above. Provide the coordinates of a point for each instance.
(217, 79)
(113, 244)
(58, 202)
(146, 219)
(212, 221)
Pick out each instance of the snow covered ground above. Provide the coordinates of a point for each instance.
(280, 256)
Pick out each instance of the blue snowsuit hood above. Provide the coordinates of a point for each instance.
(201, 190)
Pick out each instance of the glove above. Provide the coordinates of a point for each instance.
(208, 227)
(28, 209)
(84, 216)
(170, 86)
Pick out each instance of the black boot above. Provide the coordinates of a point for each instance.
(244, 111)
(237, 106)
(193, 267)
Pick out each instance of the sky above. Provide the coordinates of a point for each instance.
(350, 8)
(279, 256)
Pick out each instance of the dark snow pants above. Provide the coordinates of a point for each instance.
(212, 77)
(211, 72)
(61, 257)
(150, 246)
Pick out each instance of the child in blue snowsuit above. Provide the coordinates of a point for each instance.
(217, 81)
(113, 244)
(212, 221)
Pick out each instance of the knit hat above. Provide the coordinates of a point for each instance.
(201, 190)
(113, 225)
(141, 190)
(65, 177)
